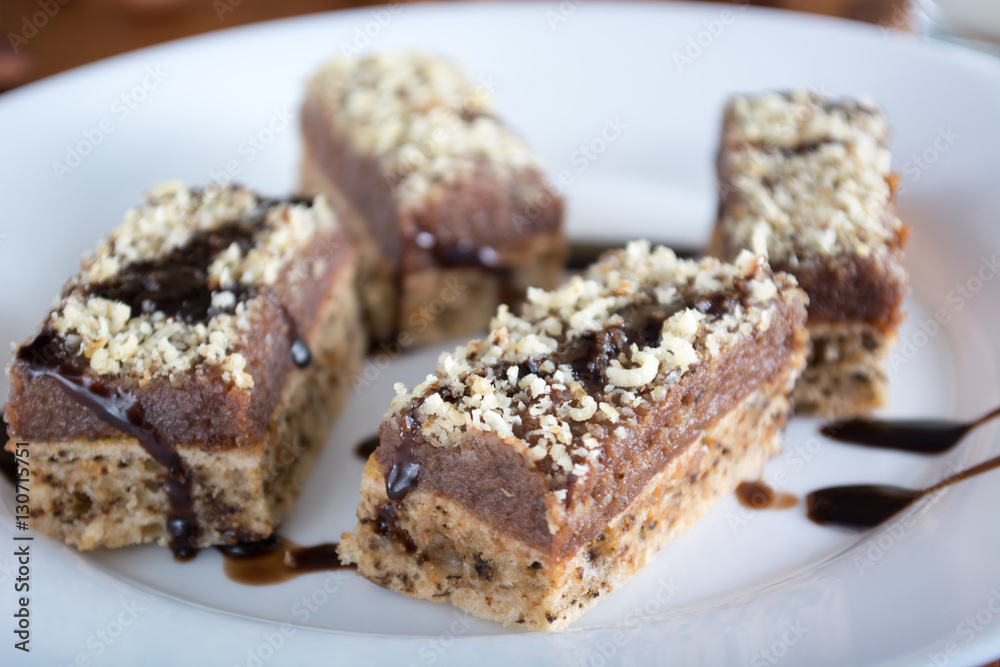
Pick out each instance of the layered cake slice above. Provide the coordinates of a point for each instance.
(806, 182)
(188, 375)
(449, 207)
(538, 469)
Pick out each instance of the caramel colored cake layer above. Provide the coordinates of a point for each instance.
(448, 206)
(189, 373)
(538, 469)
(806, 182)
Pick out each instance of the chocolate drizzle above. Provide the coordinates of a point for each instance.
(386, 526)
(401, 478)
(177, 283)
(46, 356)
(757, 495)
(921, 436)
(590, 354)
(462, 253)
(276, 560)
(867, 505)
(301, 356)
(403, 475)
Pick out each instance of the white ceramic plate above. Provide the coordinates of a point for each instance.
(741, 587)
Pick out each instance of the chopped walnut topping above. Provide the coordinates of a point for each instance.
(790, 120)
(629, 328)
(808, 177)
(426, 123)
(118, 341)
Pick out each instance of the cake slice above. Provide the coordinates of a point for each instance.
(806, 182)
(449, 207)
(188, 375)
(538, 469)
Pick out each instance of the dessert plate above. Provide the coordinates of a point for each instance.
(623, 102)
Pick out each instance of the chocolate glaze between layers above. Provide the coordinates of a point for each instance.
(504, 489)
(483, 221)
(194, 407)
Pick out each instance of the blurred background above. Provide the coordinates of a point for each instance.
(43, 37)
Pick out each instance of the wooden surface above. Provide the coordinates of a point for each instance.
(55, 35)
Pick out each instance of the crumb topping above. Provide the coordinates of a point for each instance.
(800, 117)
(583, 362)
(808, 176)
(117, 340)
(421, 117)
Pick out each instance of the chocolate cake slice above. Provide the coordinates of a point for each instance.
(188, 375)
(538, 469)
(449, 207)
(806, 182)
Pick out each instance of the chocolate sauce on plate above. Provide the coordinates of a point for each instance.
(8, 463)
(921, 436)
(367, 447)
(276, 560)
(757, 495)
(867, 505)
